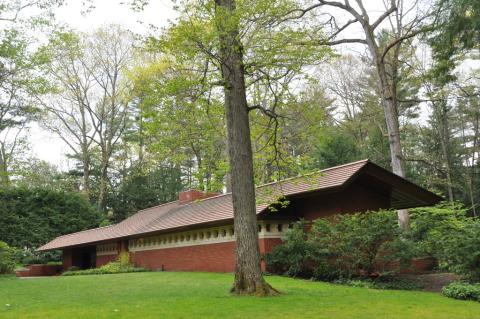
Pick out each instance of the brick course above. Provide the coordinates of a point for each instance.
(219, 257)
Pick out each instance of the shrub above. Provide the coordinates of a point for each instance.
(32, 217)
(346, 246)
(29, 256)
(292, 257)
(446, 233)
(461, 250)
(7, 258)
(352, 245)
(429, 225)
(121, 265)
(462, 290)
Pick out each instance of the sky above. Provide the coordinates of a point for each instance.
(47, 146)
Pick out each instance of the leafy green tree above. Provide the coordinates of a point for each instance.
(31, 217)
(457, 32)
(143, 188)
(335, 147)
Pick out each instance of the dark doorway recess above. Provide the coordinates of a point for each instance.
(84, 257)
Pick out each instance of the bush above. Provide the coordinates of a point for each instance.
(353, 245)
(446, 233)
(291, 258)
(28, 256)
(31, 217)
(429, 225)
(121, 265)
(462, 290)
(360, 245)
(7, 258)
(461, 250)
(346, 246)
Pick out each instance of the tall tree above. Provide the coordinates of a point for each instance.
(248, 274)
(403, 26)
(89, 104)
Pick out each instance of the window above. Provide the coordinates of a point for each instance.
(267, 227)
(259, 228)
(280, 228)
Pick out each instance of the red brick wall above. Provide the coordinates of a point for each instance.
(266, 245)
(105, 259)
(39, 270)
(211, 257)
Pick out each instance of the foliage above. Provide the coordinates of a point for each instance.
(121, 265)
(28, 256)
(291, 258)
(457, 31)
(445, 232)
(381, 283)
(335, 147)
(346, 246)
(31, 217)
(461, 250)
(141, 189)
(351, 245)
(192, 295)
(7, 258)
(462, 290)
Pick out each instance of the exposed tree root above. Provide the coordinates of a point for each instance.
(259, 288)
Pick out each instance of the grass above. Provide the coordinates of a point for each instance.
(205, 295)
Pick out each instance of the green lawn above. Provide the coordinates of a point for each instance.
(205, 295)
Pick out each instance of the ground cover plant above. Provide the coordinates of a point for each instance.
(462, 290)
(205, 295)
(121, 265)
(7, 258)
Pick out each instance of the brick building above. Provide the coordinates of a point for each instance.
(196, 233)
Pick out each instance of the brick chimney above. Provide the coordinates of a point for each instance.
(191, 195)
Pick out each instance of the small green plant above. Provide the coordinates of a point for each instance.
(121, 265)
(462, 290)
(291, 258)
(7, 258)
(394, 283)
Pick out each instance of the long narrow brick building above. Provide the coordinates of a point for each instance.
(196, 232)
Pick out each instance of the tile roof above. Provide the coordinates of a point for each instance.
(213, 209)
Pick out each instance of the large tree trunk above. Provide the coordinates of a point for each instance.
(4, 176)
(102, 196)
(390, 107)
(86, 171)
(248, 273)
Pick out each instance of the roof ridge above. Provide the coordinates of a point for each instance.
(366, 160)
(85, 230)
(314, 172)
(156, 206)
(281, 181)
